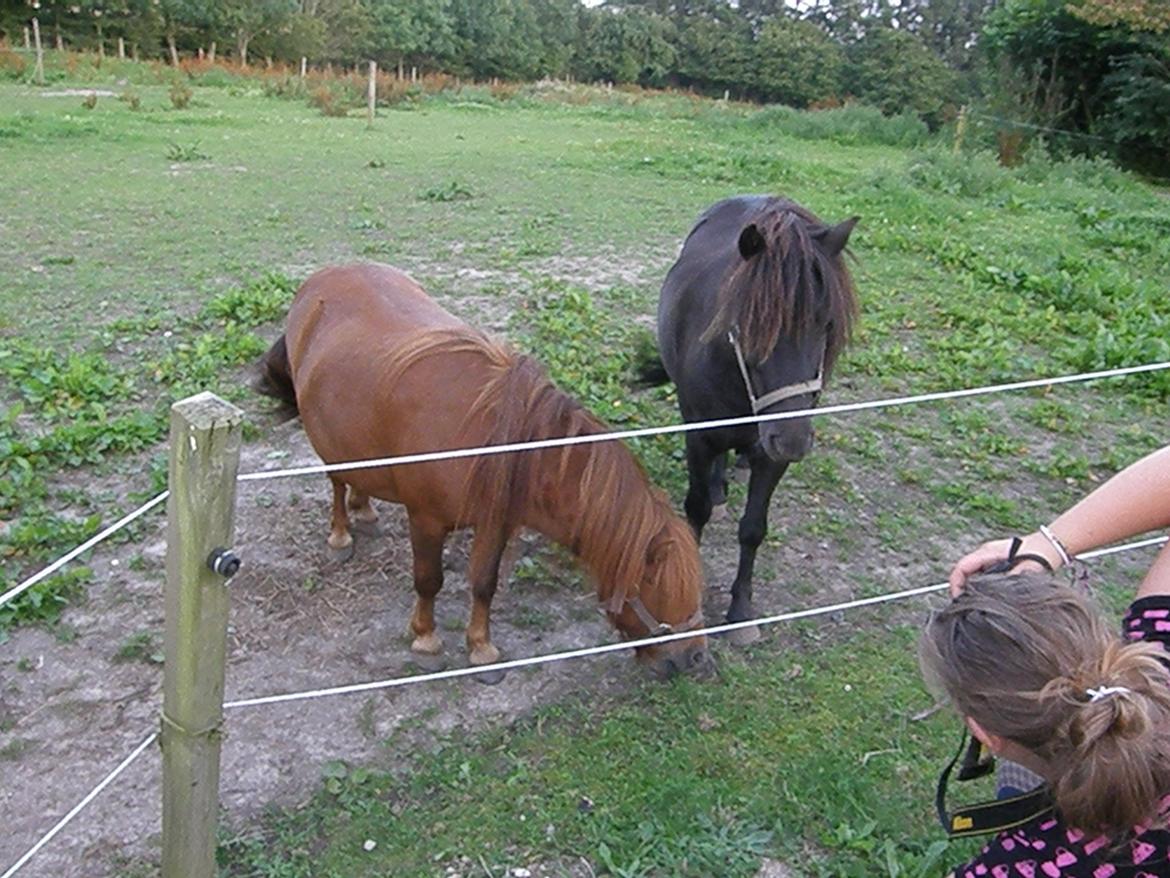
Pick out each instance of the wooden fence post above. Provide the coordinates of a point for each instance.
(960, 129)
(27, 40)
(205, 457)
(372, 94)
(39, 75)
(304, 65)
(121, 48)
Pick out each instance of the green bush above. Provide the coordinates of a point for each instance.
(797, 63)
(852, 124)
(965, 174)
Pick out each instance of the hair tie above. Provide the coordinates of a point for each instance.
(1105, 691)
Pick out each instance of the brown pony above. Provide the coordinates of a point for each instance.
(378, 369)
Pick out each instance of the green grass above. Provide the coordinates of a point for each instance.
(153, 250)
(689, 779)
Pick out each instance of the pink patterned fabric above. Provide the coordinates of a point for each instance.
(1046, 848)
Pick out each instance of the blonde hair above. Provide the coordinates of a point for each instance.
(1018, 655)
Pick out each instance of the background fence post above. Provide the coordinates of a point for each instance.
(39, 72)
(205, 458)
(960, 130)
(372, 94)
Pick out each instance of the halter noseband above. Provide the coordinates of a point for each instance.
(654, 627)
(813, 385)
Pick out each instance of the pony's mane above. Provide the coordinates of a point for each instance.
(623, 528)
(776, 292)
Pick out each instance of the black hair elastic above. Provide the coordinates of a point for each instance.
(1015, 557)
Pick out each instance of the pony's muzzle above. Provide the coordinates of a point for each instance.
(786, 441)
(694, 660)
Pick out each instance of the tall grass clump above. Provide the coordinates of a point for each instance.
(1097, 172)
(970, 175)
(852, 124)
(12, 66)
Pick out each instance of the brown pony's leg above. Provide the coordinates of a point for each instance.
(483, 575)
(426, 543)
(340, 540)
(362, 512)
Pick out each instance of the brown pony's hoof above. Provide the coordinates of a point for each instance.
(490, 677)
(369, 528)
(429, 662)
(718, 513)
(340, 556)
(744, 636)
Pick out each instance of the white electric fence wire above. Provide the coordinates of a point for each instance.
(1031, 127)
(520, 663)
(841, 408)
(76, 809)
(453, 454)
(84, 547)
(630, 644)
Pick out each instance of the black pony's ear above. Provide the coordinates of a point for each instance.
(834, 238)
(751, 241)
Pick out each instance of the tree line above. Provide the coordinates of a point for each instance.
(1085, 66)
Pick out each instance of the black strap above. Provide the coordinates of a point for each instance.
(977, 762)
(1015, 557)
(984, 817)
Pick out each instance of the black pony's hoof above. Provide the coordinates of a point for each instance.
(744, 636)
(490, 677)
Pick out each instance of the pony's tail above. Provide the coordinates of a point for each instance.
(648, 368)
(274, 377)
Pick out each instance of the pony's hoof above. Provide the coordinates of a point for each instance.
(744, 636)
(718, 513)
(490, 677)
(369, 528)
(340, 556)
(427, 644)
(429, 662)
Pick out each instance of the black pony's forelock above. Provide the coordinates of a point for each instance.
(782, 290)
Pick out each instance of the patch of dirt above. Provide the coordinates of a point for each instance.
(78, 93)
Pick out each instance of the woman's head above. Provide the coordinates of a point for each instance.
(1019, 656)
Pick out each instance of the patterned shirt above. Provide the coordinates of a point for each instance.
(1046, 848)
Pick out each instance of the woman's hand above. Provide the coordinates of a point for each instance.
(996, 551)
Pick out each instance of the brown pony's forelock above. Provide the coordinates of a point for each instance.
(625, 530)
(775, 292)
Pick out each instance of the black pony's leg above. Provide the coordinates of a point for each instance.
(700, 462)
(753, 527)
(718, 489)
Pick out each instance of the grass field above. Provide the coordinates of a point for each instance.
(149, 252)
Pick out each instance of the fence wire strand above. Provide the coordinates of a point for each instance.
(77, 809)
(641, 432)
(520, 663)
(611, 436)
(122, 522)
(529, 661)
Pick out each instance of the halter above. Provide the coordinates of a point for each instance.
(654, 627)
(813, 385)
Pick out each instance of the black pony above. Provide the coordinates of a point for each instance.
(752, 316)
